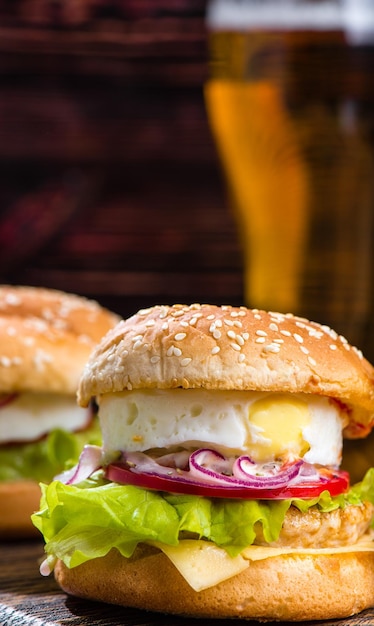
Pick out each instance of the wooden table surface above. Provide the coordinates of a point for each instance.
(27, 598)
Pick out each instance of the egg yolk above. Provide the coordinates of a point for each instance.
(276, 425)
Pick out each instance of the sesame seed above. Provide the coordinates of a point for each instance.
(260, 339)
(235, 346)
(185, 361)
(219, 323)
(311, 360)
(231, 334)
(313, 332)
(41, 358)
(240, 340)
(278, 340)
(5, 361)
(286, 333)
(170, 351)
(261, 333)
(177, 351)
(241, 357)
(150, 323)
(163, 313)
(304, 349)
(272, 347)
(273, 326)
(212, 327)
(238, 324)
(298, 338)
(333, 346)
(12, 299)
(217, 334)
(193, 321)
(245, 336)
(228, 322)
(215, 350)
(257, 316)
(155, 359)
(138, 345)
(210, 317)
(234, 314)
(180, 336)
(184, 324)
(137, 338)
(165, 326)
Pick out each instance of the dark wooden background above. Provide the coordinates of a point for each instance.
(110, 184)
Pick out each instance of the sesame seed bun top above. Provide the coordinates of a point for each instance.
(46, 338)
(227, 348)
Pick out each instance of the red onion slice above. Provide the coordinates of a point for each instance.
(206, 467)
(90, 460)
(175, 459)
(309, 472)
(210, 467)
(203, 465)
(256, 476)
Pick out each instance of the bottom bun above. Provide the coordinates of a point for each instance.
(293, 588)
(18, 500)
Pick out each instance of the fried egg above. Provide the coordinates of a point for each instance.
(267, 426)
(30, 416)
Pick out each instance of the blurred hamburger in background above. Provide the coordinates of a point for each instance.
(46, 337)
(218, 491)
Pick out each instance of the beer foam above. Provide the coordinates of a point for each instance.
(354, 17)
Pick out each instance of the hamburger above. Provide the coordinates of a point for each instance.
(46, 337)
(218, 490)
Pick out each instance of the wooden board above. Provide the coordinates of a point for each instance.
(27, 598)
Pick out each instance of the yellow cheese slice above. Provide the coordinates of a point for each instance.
(259, 553)
(203, 564)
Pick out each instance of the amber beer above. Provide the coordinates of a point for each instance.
(291, 105)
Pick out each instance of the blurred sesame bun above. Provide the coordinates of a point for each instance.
(295, 588)
(18, 500)
(228, 348)
(46, 337)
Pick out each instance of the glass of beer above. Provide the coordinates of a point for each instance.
(290, 100)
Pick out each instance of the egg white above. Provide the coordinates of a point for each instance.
(31, 415)
(141, 420)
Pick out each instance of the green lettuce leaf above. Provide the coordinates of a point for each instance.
(85, 521)
(43, 459)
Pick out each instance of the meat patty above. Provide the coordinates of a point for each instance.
(315, 529)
